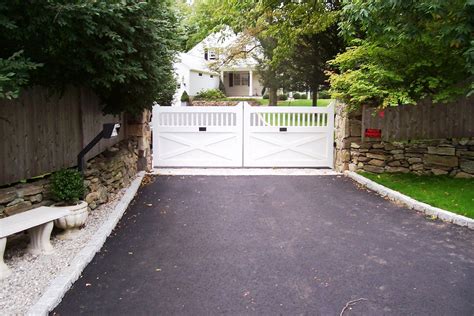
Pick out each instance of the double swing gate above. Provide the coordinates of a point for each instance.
(243, 136)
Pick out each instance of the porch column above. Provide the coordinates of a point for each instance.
(250, 83)
(222, 76)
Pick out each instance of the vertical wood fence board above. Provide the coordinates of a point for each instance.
(41, 132)
(426, 120)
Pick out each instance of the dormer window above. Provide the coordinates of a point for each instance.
(210, 54)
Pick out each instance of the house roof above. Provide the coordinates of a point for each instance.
(224, 40)
(195, 63)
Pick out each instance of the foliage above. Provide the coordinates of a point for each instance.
(456, 195)
(266, 97)
(123, 50)
(184, 97)
(14, 73)
(211, 94)
(283, 97)
(300, 102)
(221, 86)
(296, 37)
(404, 51)
(324, 94)
(296, 96)
(67, 185)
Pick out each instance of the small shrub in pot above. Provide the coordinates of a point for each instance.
(67, 188)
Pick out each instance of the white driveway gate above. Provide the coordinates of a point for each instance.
(197, 136)
(288, 136)
(242, 135)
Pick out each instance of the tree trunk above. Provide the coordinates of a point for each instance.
(272, 97)
(315, 96)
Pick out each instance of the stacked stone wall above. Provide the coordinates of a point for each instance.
(105, 175)
(451, 156)
(454, 157)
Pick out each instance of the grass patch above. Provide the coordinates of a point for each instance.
(455, 195)
(297, 102)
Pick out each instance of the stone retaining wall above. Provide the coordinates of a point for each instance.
(105, 174)
(454, 157)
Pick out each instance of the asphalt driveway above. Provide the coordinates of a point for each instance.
(272, 245)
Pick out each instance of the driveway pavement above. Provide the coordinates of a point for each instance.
(275, 245)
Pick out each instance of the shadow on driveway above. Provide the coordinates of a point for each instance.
(275, 245)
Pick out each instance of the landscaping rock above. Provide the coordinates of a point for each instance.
(414, 160)
(397, 169)
(7, 195)
(438, 172)
(448, 151)
(91, 197)
(464, 175)
(417, 167)
(395, 163)
(36, 198)
(376, 162)
(30, 189)
(444, 161)
(376, 156)
(397, 151)
(373, 169)
(15, 201)
(18, 208)
(463, 141)
(467, 166)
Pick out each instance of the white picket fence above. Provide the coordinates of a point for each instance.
(243, 136)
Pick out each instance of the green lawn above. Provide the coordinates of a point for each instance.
(456, 195)
(298, 102)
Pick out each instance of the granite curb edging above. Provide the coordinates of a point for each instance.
(411, 203)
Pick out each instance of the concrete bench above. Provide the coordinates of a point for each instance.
(38, 222)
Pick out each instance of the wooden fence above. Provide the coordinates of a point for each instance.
(41, 132)
(425, 120)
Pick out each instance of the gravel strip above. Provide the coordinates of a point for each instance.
(31, 275)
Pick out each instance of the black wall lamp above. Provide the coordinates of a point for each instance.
(109, 130)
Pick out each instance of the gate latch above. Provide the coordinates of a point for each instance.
(283, 129)
(202, 129)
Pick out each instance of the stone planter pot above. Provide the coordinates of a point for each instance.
(73, 222)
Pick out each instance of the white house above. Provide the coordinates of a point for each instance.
(221, 57)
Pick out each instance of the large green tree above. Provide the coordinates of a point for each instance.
(287, 32)
(123, 50)
(404, 51)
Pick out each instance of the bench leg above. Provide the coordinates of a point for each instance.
(4, 270)
(39, 239)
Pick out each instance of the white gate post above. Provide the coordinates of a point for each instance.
(330, 125)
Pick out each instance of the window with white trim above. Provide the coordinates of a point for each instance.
(244, 79)
(212, 55)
